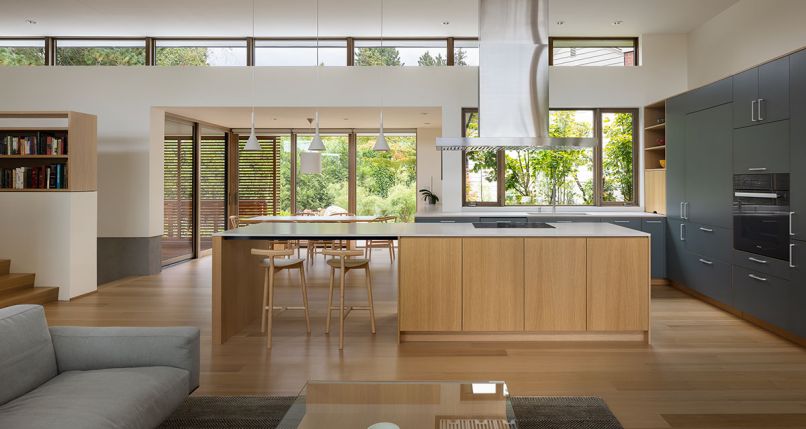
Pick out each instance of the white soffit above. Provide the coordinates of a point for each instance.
(295, 18)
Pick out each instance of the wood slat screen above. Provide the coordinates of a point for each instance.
(258, 179)
(177, 239)
(212, 184)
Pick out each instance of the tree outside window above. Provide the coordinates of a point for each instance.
(561, 176)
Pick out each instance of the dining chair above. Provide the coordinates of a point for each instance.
(233, 221)
(271, 265)
(345, 261)
(381, 244)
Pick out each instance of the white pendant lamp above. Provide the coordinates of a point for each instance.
(380, 142)
(252, 143)
(316, 143)
(310, 163)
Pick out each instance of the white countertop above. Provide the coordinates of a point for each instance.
(534, 213)
(359, 231)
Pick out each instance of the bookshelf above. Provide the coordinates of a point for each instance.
(654, 156)
(48, 152)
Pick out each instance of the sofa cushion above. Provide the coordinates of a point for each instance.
(27, 358)
(106, 398)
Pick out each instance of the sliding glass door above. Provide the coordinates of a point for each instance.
(212, 185)
(328, 189)
(178, 172)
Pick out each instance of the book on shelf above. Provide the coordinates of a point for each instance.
(39, 143)
(42, 177)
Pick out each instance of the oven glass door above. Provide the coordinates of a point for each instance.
(762, 233)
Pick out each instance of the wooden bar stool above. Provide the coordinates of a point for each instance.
(272, 265)
(343, 262)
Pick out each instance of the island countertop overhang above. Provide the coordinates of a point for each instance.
(381, 231)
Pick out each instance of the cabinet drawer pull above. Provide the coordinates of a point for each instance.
(791, 261)
(760, 261)
(703, 229)
(621, 221)
(682, 232)
(791, 233)
(757, 169)
(755, 277)
(706, 262)
(753, 110)
(760, 108)
(447, 221)
(563, 221)
(653, 221)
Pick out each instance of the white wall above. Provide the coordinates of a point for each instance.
(130, 130)
(747, 34)
(53, 236)
(429, 167)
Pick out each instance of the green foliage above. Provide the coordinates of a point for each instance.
(109, 56)
(427, 60)
(460, 57)
(22, 56)
(181, 56)
(377, 57)
(617, 160)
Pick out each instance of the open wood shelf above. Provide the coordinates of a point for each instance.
(655, 169)
(654, 153)
(80, 162)
(661, 147)
(656, 127)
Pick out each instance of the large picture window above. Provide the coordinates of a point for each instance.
(604, 175)
(94, 52)
(22, 52)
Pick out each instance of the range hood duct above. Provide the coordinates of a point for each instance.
(513, 80)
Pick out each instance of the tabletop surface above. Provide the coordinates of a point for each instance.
(314, 219)
(409, 404)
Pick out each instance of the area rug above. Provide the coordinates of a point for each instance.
(247, 412)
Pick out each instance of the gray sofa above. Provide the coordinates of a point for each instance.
(71, 377)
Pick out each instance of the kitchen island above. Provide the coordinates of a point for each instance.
(571, 281)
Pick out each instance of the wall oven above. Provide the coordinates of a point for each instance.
(761, 216)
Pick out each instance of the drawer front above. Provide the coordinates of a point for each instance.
(633, 223)
(709, 277)
(761, 295)
(657, 229)
(762, 264)
(761, 149)
(710, 241)
(461, 219)
(503, 219)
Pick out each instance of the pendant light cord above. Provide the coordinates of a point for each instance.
(253, 68)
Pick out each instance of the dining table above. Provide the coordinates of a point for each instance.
(311, 219)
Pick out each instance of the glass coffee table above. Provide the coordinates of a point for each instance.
(407, 404)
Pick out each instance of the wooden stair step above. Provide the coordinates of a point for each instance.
(34, 295)
(16, 281)
(5, 266)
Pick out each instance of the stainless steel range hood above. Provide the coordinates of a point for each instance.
(513, 80)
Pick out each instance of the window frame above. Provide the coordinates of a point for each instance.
(52, 49)
(598, 176)
(45, 45)
(635, 40)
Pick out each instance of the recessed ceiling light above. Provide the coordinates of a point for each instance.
(560, 22)
(423, 113)
(427, 123)
(30, 21)
(346, 119)
(274, 119)
(618, 22)
(446, 22)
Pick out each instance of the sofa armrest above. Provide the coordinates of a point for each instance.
(84, 349)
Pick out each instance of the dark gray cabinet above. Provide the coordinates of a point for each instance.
(763, 264)
(796, 310)
(445, 219)
(761, 149)
(632, 223)
(502, 219)
(676, 110)
(657, 230)
(761, 295)
(708, 96)
(708, 169)
(761, 94)
(712, 242)
(675, 250)
(797, 143)
(710, 277)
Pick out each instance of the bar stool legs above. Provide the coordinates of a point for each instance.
(272, 266)
(369, 299)
(344, 265)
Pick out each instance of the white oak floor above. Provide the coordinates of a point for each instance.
(705, 368)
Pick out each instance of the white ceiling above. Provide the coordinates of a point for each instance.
(294, 18)
(329, 117)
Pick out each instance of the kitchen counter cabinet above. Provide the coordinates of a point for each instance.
(492, 284)
(617, 271)
(555, 284)
(435, 266)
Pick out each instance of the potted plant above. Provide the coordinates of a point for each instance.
(429, 196)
